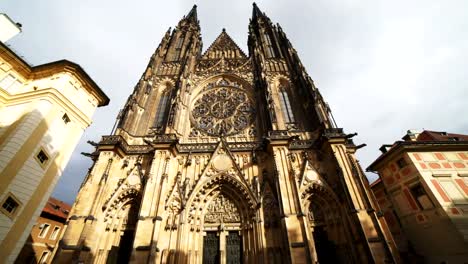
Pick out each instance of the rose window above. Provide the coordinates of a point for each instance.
(223, 111)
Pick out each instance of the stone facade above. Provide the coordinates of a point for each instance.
(44, 110)
(423, 193)
(224, 157)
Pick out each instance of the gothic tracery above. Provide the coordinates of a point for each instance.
(230, 163)
(223, 110)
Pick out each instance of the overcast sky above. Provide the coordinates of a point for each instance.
(383, 66)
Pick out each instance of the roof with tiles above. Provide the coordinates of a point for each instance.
(57, 208)
(428, 135)
(425, 139)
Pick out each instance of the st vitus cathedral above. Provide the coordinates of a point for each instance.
(224, 157)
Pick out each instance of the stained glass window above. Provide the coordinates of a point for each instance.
(162, 109)
(286, 106)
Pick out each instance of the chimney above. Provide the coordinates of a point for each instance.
(411, 135)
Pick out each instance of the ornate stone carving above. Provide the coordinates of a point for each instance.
(222, 210)
(223, 110)
(222, 163)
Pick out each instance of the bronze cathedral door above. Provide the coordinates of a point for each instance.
(233, 248)
(211, 248)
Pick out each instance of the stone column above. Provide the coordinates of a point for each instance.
(289, 204)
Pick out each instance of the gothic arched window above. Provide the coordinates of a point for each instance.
(162, 108)
(269, 46)
(178, 47)
(286, 106)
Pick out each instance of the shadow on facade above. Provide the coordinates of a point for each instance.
(444, 227)
(27, 254)
(35, 127)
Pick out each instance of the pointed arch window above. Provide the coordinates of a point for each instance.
(162, 109)
(269, 46)
(286, 106)
(180, 41)
(178, 47)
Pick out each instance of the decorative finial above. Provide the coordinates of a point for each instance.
(224, 30)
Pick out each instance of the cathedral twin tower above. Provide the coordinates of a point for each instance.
(224, 157)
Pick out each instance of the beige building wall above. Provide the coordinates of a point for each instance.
(43, 113)
(427, 187)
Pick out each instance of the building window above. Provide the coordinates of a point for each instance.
(269, 46)
(401, 163)
(180, 41)
(286, 106)
(44, 229)
(42, 157)
(66, 119)
(178, 48)
(44, 257)
(10, 83)
(162, 109)
(55, 233)
(10, 206)
(419, 194)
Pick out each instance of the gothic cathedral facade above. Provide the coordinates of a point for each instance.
(224, 157)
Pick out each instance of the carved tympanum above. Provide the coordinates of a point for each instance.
(222, 210)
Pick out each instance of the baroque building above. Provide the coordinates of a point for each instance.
(44, 110)
(225, 157)
(423, 194)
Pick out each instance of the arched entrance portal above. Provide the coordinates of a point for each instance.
(327, 226)
(222, 226)
(224, 211)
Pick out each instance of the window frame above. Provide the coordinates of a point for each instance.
(161, 112)
(55, 232)
(44, 257)
(401, 162)
(14, 82)
(43, 164)
(15, 210)
(412, 189)
(178, 47)
(42, 227)
(285, 105)
(269, 46)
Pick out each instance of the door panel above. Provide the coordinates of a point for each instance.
(233, 248)
(211, 248)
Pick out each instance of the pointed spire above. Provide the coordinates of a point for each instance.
(256, 11)
(192, 15)
(258, 15)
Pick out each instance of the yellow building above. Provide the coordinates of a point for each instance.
(43, 112)
(423, 193)
(225, 157)
(45, 234)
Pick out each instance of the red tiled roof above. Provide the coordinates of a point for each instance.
(57, 208)
(425, 139)
(428, 135)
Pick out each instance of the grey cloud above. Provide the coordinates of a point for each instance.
(383, 66)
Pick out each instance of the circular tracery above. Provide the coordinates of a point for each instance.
(223, 111)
